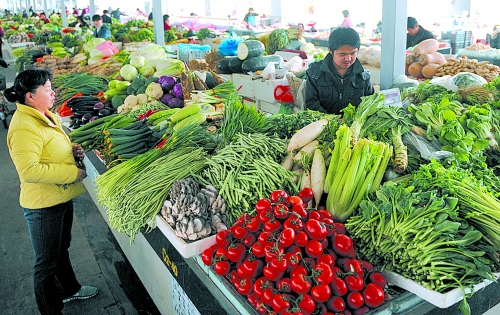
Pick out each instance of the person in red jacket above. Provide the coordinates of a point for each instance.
(44, 18)
(166, 22)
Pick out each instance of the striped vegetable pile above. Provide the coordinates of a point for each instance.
(246, 170)
(91, 135)
(138, 203)
(128, 142)
(114, 180)
(67, 85)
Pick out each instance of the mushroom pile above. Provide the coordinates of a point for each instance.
(194, 212)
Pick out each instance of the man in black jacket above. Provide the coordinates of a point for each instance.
(339, 79)
(416, 33)
(105, 17)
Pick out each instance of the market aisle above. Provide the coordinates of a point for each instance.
(96, 256)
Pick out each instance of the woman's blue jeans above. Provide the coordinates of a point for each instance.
(54, 278)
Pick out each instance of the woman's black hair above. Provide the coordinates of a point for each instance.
(165, 17)
(343, 36)
(26, 81)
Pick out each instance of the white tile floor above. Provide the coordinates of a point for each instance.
(495, 310)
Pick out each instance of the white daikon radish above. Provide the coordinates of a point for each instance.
(318, 175)
(308, 149)
(287, 162)
(306, 134)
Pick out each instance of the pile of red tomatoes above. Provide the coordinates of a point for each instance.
(287, 259)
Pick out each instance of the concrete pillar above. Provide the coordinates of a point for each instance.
(158, 23)
(63, 14)
(392, 63)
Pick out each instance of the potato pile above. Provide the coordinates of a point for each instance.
(424, 60)
(464, 64)
(54, 64)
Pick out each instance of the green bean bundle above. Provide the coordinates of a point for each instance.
(246, 170)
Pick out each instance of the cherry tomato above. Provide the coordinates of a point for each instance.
(287, 237)
(281, 302)
(265, 216)
(306, 194)
(236, 252)
(306, 304)
(258, 249)
(373, 295)
(340, 228)
(253, 300)
(321, 292)
(264, 237)
(272, 250)
(326, 258)
(300, 209)
(245, 286)
(335, 304)
(223, 238)
(233, 277)
(354, 283)
(243, 219)
(284, 285)
(267, 296)
(323, 273)
(299, 270)
(355, 300)
(294, 249)
(253, 225)
(222, 268)
(240, 271)
(208, 254)
(272, 274)
(300, 284)
(252, 267)
(301, 239)
(281, 211)
(320, 308)
(292, 259)
(263, 205)
(378, 278)
(272, 226)
(314, 248)
(278, 196)
(221, 253)
(342, 245)
(314, 215)
(315, 229)
(367, 267)
(295, 200)
(260, 285)
(355, 265)
(279, 263)
(249, 240)
(294, 223)
(339, 287)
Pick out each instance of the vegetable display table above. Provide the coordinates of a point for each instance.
(185, 286)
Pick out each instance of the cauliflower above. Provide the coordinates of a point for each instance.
(154, 90)
(142, 99)
(130, 101)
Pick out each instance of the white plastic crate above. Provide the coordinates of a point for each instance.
(188, 52)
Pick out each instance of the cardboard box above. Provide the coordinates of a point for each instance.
(267, 107)
(264, 89)
(244, 84)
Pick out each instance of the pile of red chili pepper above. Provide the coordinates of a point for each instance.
(287, 259)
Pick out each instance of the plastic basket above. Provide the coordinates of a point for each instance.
(188, 52)
(455, 36)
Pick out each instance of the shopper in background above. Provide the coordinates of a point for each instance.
(339, 79)
(80, 22)
(166, 22)
(416, 33)
(347, 20)
(51, 171)
(495, 37)
(117, 14)
(249, 18)
(44, 18)
(101, 29)
(105, 17)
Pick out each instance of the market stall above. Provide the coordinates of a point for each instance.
(398, 205)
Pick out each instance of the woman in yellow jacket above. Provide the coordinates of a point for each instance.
(51, 171)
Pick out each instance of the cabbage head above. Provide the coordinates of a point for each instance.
(128, 72)
(467, 79)
(138, 61)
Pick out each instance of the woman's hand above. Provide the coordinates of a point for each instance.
(78, 152)
(82, 174)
